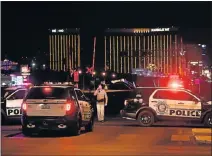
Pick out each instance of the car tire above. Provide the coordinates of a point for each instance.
(26, 132)
(89, 126)
(75, 129)
(208, 120)
(146, 118)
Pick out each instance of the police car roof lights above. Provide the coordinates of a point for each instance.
(115, 81)
(175, 85)
(47, 89)
(58, 84)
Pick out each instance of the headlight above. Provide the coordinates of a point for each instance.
(125, 102)
(135, 100)
(140, 100)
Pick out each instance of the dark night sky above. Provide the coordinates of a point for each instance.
(25, 24)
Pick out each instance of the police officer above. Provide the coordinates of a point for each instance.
(102, 100)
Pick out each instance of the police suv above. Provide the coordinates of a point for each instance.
(11, 100)
(166, 104)
(56, 107)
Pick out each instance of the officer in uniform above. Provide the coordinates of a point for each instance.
(102, 100)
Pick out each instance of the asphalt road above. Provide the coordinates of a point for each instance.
(114, 137)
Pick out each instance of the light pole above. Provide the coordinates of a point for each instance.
(80, 72)
(33, 66)
(113, 75)
(94, 73)
(104, 74)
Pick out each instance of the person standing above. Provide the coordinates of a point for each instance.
(102, 101)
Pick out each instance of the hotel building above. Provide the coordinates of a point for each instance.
(64, 49)
(127, 49)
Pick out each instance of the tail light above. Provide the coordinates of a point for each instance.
(70, 106)
(125, 102)
(24, 106)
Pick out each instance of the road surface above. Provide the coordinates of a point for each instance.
(114, 137)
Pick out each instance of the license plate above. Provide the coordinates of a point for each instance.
(45, 107)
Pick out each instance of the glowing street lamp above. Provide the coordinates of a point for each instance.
(33, 64)
(83, 84)
(113, 75)
(104, 74)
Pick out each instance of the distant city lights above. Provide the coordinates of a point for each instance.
(113, 75)
(159, 29)
(103, 73)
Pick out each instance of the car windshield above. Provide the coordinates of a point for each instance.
(47, 93)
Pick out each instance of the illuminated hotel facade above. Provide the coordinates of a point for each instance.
(127, 49)
(64, 48)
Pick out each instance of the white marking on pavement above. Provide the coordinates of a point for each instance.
(203, 139)
(183, 138)
(201, 130)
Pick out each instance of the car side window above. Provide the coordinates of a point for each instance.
(80, 95)
(165, 94)
(18, 95)
(184, 96)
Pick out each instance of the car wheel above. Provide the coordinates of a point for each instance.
(26, 131)
(146, 118)
(89, 126)
(208, 120)
(75, 130)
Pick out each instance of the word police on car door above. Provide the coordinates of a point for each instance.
(14, 101)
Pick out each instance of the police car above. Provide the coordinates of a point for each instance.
(11, 100)
(56, 107)
(166, 104)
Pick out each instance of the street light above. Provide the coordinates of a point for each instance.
(113, 75)
(33, 64)
(80, 72)
(94, 73)
(104, 74)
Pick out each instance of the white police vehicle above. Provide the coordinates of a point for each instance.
(56, 107)
(166, 104)
(11, 100)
